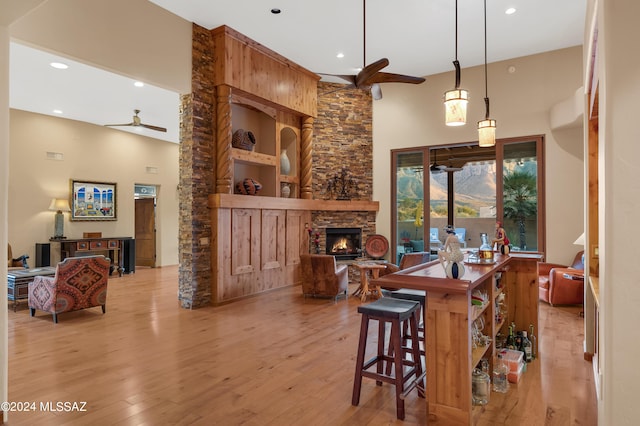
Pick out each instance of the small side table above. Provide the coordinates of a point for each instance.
(365, 267)
(18, 282)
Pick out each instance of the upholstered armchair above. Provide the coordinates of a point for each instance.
(322, 276)
(79, 283)
(19, 263)
(560, 284)
(408, 260)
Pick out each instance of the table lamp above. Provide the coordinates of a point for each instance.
(59, 206)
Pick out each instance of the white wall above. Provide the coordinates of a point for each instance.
(413, 115)
(619, 204)
(92, 153)
(4, 179)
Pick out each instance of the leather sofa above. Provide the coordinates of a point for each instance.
(561, 284)
(322, 276)
(79, 283)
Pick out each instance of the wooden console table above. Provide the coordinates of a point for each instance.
(449, 316)
(111, 247)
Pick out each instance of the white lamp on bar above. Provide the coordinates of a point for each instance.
(59, 205)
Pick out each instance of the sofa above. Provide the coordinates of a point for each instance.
(561, 284)
(79, 283)
(322, 276)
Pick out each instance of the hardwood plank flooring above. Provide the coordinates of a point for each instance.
(273, 359)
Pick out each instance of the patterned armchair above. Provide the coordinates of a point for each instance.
(80, 282)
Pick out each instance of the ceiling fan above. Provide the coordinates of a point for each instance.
(441, 168)
(137, 123)
(370, 77)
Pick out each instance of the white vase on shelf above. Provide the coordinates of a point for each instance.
(285, 190)
(285, 164)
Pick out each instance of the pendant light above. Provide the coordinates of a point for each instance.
(486, 127)
(455, 101)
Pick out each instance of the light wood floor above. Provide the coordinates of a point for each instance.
(275, 359)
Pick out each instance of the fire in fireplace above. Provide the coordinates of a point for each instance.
(344, 243)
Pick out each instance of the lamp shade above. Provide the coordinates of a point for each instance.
(580, 240)
(487, 132)
(455, 104)
(58, 204)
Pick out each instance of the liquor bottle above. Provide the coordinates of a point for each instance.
(500, 376)
(485, 250)
(510, 340)
(517, 341)
(526, 347)
(534, 342)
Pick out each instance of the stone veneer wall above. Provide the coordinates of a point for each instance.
(197, 180)
(342, 138)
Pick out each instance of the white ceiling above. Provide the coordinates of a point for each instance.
(417, 36)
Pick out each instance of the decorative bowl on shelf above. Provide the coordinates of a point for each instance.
(248, 186)
(243, 139)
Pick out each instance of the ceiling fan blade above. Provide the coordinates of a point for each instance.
(376, 91)
(148, 126)
(385, 77)
(350, 78)
(120, 125)
(345, 87)
(362, 79)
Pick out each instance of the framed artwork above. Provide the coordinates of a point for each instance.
(93, 200)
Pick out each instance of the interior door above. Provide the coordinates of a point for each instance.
(145, 228)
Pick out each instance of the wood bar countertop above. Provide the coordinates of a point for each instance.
(436, 279)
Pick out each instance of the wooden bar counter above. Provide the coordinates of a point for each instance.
(449, 316)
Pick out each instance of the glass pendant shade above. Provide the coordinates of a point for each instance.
(487, 132)
(455, 105)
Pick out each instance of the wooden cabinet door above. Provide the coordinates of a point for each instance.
(245, 241)
(273, 239)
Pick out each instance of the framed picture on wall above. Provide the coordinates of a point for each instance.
(93, 200)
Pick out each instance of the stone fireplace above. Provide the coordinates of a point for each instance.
(343, 243)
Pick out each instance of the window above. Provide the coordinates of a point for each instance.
(469, 187)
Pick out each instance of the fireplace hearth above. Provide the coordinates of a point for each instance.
(344, 243)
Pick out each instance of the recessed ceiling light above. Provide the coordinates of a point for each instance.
(275, 11)
(138, 84)
(57, 111)
(340, 55)
(59, 65)
(510, 11)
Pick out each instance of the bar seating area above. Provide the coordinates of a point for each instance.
(397, 313)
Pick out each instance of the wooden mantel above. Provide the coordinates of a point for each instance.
(248, 201)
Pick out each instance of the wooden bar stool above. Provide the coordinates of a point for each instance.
(396, 312)
(416, 296)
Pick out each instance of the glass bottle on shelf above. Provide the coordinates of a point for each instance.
(500, 376)
(517, 341)
(510, 339)
(534, 342)
(480, 387)
(526, 347)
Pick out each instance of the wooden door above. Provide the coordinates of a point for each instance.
(145, 232)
